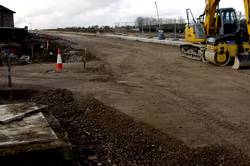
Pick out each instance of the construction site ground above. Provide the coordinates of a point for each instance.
(143, 104)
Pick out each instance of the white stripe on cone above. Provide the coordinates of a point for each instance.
(59, 59)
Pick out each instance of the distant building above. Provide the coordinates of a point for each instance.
(6, 17)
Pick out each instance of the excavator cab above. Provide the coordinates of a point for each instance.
(227, 21)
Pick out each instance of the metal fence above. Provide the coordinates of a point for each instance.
(173, 27)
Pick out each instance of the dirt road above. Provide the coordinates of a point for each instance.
(195, 102)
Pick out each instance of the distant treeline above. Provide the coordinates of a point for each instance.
(90, 29)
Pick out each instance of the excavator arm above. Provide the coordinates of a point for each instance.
(247, 11)
(210, 10)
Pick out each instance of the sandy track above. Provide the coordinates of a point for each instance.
(195, 102)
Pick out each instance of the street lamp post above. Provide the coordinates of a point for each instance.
(158, 16)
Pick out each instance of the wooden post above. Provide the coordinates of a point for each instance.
(85, 58)
(32, 52)
(9, 71)
(47, 43)
(175, 28)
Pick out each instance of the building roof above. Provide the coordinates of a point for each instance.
(2, 8)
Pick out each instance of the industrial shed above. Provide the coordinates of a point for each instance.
(6, 17)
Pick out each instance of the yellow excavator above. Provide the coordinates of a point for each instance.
(218, 36)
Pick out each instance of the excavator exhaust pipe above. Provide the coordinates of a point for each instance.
(242, 61)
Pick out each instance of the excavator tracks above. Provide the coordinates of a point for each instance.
(193, 51)
(200, 53)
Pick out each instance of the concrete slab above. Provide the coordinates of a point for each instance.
(32, 133)
(13, 112)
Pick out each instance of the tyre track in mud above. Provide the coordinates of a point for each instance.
(213, 123)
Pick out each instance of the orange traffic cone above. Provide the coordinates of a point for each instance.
(59, 64)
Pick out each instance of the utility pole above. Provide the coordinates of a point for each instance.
(30, 26)
(9, 70)
(175, 28)
(149, 24)
(158, 16)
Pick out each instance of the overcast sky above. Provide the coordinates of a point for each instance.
(65, 13)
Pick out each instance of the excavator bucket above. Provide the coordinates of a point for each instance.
(242, 61)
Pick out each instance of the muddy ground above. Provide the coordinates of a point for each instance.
(143, 94)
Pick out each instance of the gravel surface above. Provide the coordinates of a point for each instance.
(165, 109)
(101, 135)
